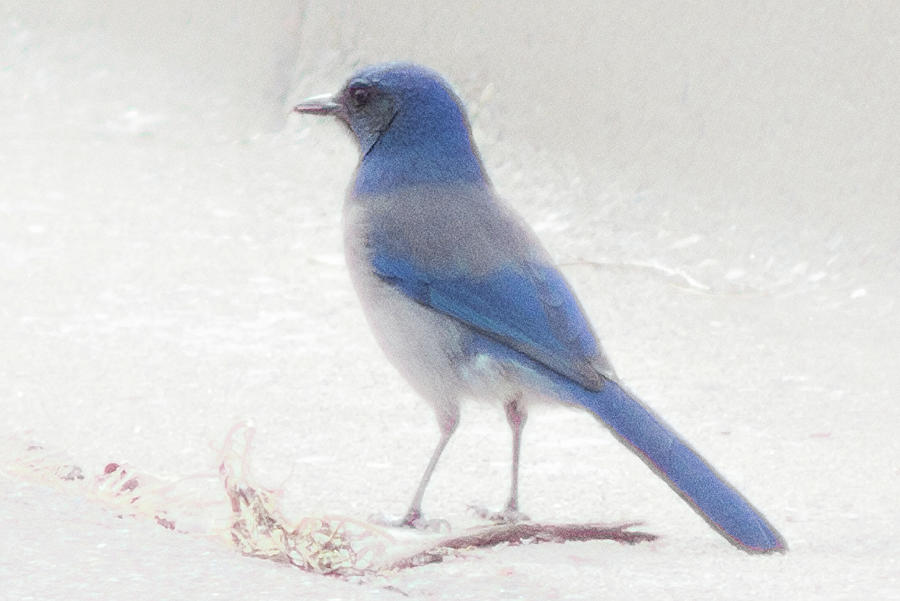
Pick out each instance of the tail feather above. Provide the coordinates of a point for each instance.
(725, 509)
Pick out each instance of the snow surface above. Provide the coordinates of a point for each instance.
(720, 184)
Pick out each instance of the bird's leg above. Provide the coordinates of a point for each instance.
(516, 417)
(414, 517)
(414, 514)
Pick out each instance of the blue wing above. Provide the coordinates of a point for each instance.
(526, 305)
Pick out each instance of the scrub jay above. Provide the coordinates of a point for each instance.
(465, 301)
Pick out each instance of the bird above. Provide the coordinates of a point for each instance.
(465, 301)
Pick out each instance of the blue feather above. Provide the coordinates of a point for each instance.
(529, 308)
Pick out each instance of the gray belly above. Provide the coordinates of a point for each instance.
(426, 347)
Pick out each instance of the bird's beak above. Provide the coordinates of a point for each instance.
(319, 105)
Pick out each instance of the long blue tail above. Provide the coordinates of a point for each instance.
(687, 473)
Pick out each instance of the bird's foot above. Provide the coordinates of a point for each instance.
(412, 519)
(510, 515)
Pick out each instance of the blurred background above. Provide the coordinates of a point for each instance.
(772, 113)
(719, 181)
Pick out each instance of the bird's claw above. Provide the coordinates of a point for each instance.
(411, 520)
(507, 516)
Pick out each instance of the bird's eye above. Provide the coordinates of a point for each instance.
(359, 94)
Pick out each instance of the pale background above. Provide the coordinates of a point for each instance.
(719, 180)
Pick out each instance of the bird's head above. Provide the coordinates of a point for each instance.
(407, 119)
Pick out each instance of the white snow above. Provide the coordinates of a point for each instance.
(720, 184)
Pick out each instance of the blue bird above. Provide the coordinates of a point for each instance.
(465, 301)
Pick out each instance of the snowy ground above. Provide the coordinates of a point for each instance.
(720, 184)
